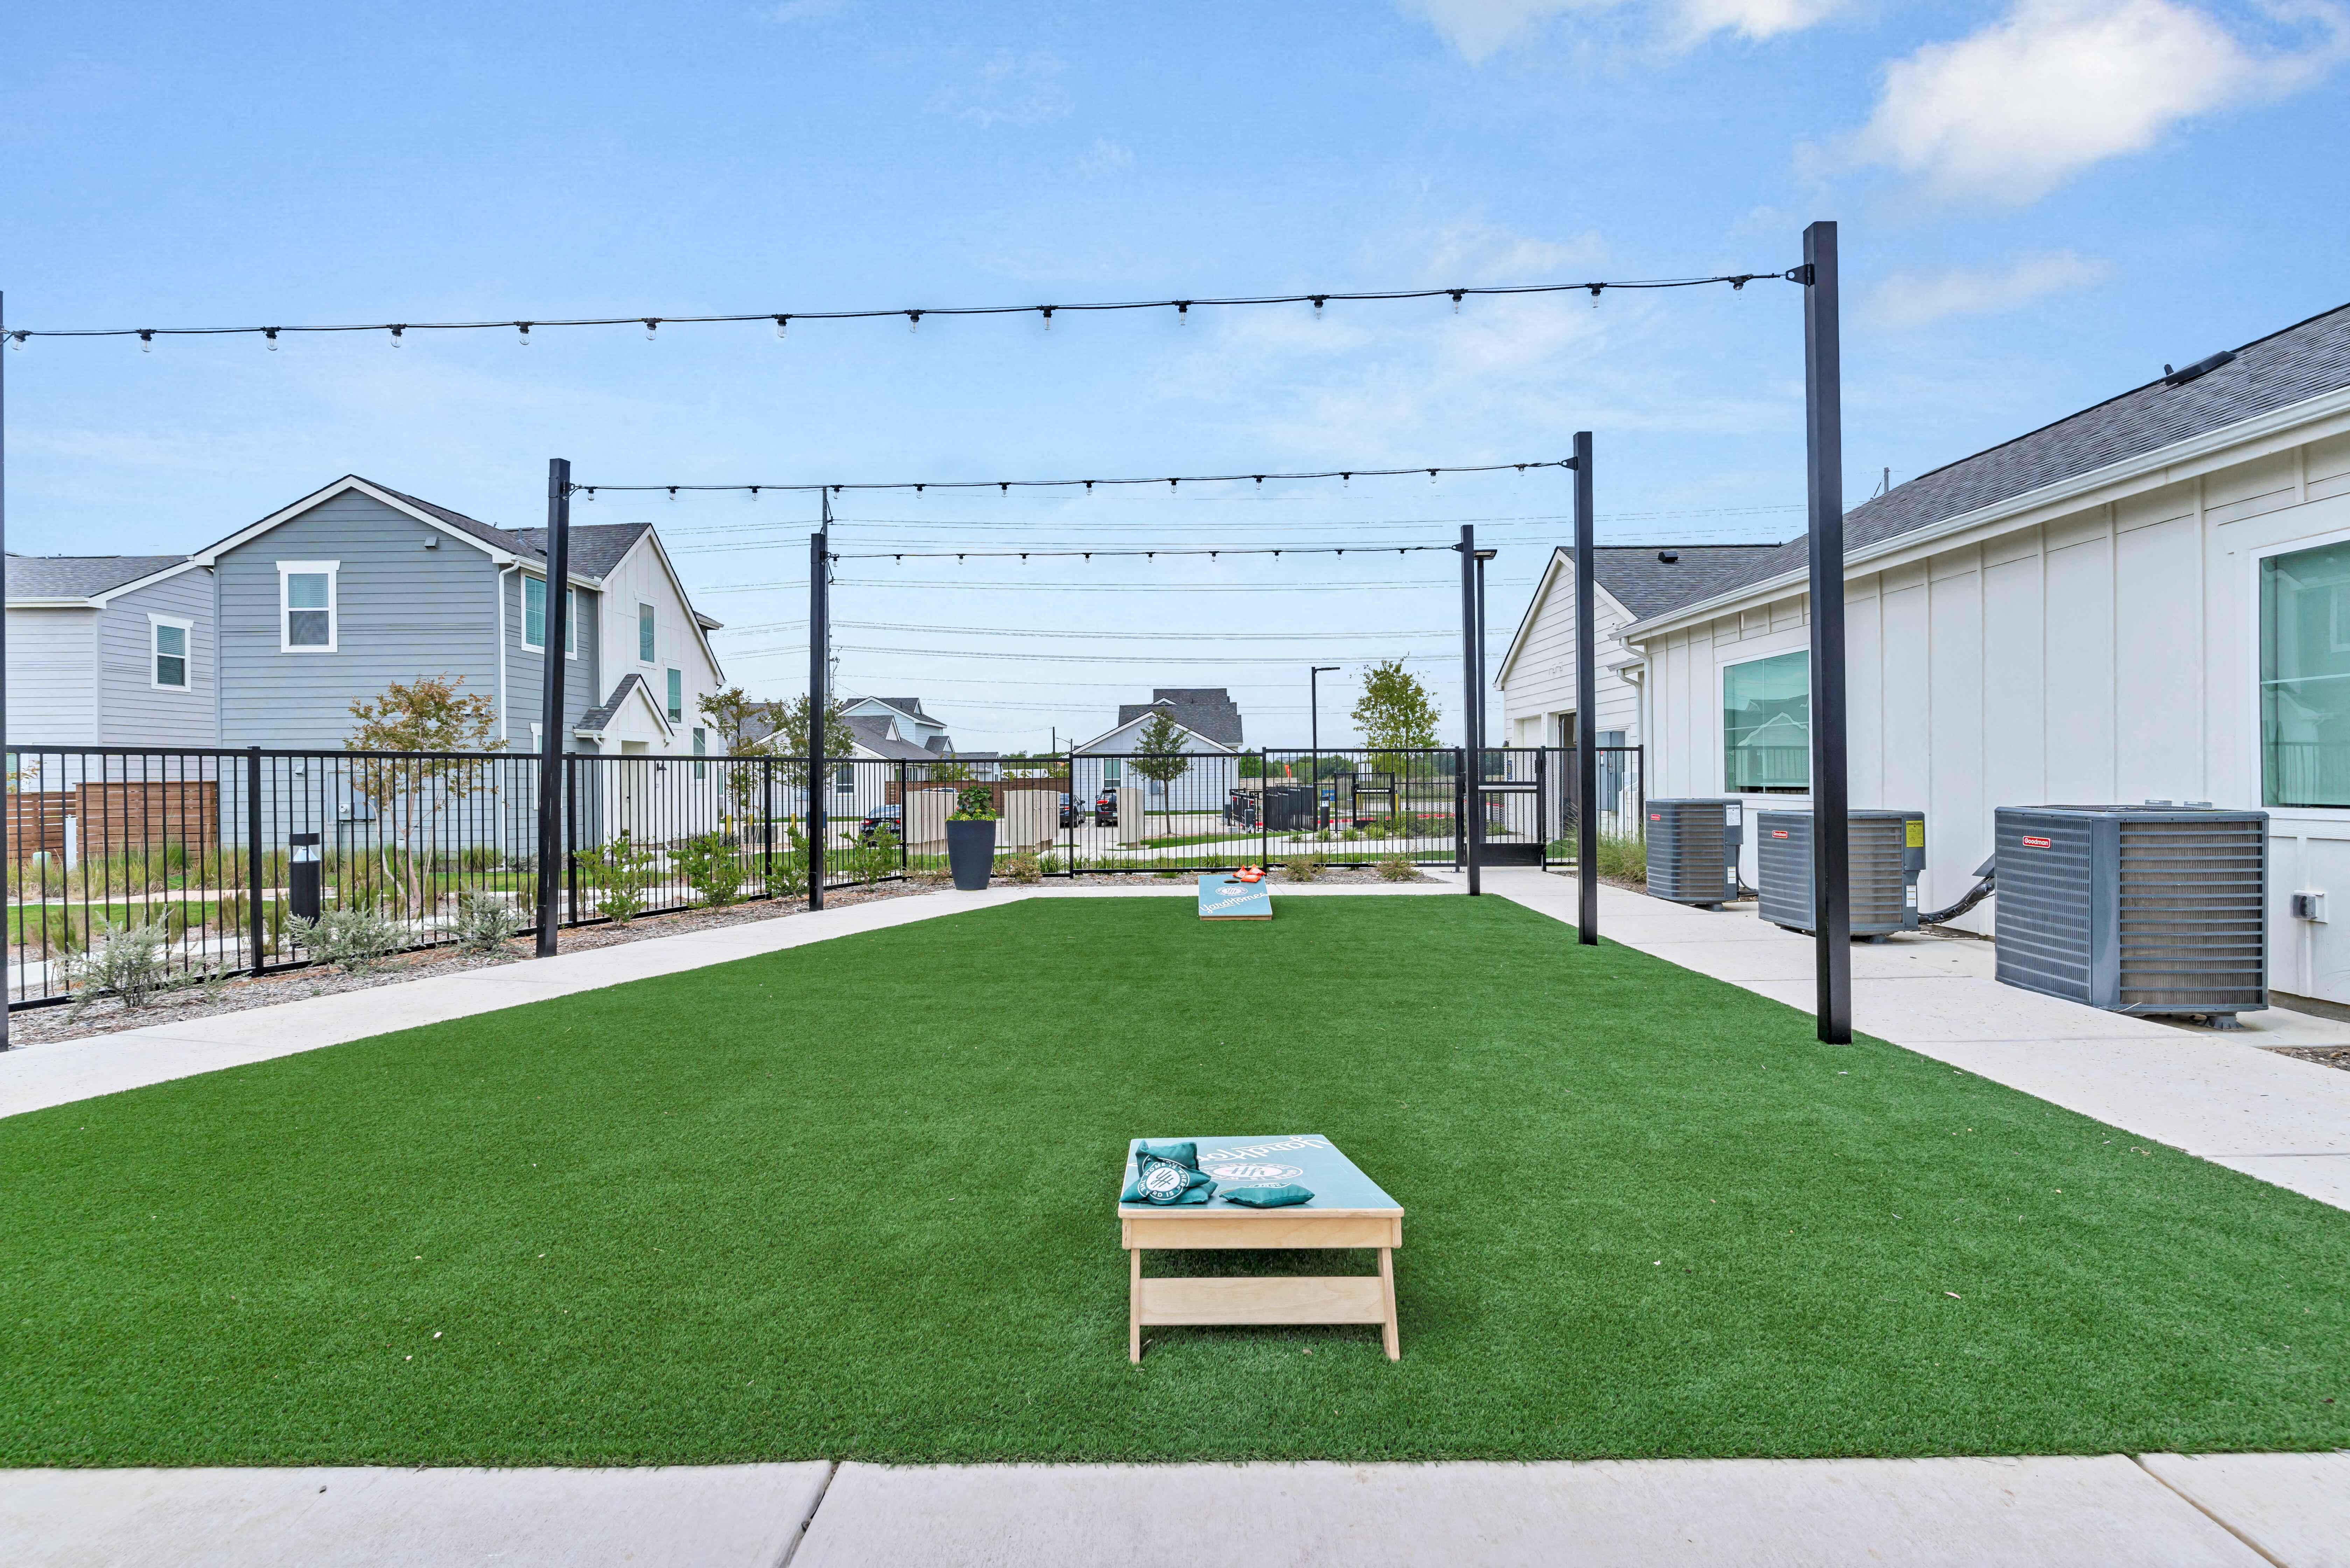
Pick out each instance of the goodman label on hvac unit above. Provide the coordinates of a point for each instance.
(2029, 842)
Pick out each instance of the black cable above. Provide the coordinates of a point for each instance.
(782, 318)
(1007, 485)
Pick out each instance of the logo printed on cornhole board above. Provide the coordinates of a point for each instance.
(1223, 898)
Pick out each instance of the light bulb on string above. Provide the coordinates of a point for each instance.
(271, 333)
(1049, 316)
(780, 321)
(522, 333)
(16, 340)
(1318, 301)
(672, 493)
(652, 325)
(1182, 313)
(913, 321)
(1456, 300)
(1595, 294)
(146, 342)
(396, 332)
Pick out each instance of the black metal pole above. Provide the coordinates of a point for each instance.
(1586, 705)
(6, 798)
(819, 650)
(1831, 799)
(550, 734)
(1472, 660)
(254, 929)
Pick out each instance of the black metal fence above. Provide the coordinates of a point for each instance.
(232, 857)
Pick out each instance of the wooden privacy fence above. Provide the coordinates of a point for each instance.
(110, 817)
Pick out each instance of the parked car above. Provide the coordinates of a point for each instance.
(1068, 810)
(1105, 809)
(890, 817)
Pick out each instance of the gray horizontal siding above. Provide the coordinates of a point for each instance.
(404, 611)
(131, 711)
(53, 677)
(526, 669)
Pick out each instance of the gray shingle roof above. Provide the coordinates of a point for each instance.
(1636, 579)
(1205, 711)
(872, 732)
(913, 705)
(596, 547)
(2304, 361)
(79, 577)
(596, 718)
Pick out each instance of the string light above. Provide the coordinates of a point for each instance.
(396, 331)
(146, 342)
(1182, 309)
(271, 333)
(523, 329)
(1006, 486)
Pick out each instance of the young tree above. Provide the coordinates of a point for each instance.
(743, 723)
(429, 715)
(789, 743)
(1396, 714)
(1163, 758)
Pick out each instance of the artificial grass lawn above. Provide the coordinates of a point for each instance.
(854, 1201)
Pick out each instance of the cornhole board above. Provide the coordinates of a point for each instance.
(1348, 1209)
(1223, 897)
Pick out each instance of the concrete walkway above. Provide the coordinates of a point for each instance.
(2216, 1094)
(2225, 1511)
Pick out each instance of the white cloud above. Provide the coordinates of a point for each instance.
(1480, 252)
(1919, 298)
(2012, 112)
(1479, 29)
(1104, 158)
(1009, 90)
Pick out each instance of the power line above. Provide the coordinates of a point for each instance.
(1153, 553)
(1053, 657)
(1049, 587)
(913, 315)
(1109, 635)
(1005, 486)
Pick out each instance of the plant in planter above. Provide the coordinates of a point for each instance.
(970, 837)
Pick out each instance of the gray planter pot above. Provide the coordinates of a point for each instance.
(970, 853)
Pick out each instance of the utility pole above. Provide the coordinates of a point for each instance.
(1314, 730)
(1586, 704)
(820, 691)
(1831, 799)
(556, 622)
(1472, 759)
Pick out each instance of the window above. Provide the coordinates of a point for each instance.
(844, 778)
(534, 617)
(701, 749)
(170, 639)
(645, 642)
(1766, 724)
(306, 601)
(2305, 678)
(1113, 770)
(676, 695)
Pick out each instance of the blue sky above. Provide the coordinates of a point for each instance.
(2042, 201)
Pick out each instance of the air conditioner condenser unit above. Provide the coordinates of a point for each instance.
(2150, 909)
(1887, 850)
(1693, 850)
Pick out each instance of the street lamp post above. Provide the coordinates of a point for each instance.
(1314, 730)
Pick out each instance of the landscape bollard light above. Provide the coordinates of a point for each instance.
(302, 870)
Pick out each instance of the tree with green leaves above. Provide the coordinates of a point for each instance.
(1163, 758)
(429, 715)
(743, 722)
(1394, 713)
(789, 743)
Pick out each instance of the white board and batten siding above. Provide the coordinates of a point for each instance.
(1537, 674)
(2097, 649)
(641, 578)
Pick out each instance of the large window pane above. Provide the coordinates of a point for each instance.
(2305, 678)
(1766, 721)
(534, 613)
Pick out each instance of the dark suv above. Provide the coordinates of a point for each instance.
(889, 816)
(1105, 809)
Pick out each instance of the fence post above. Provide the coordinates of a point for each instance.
(253, 924)
(767, 826)
(570, 843)
(1263, 794)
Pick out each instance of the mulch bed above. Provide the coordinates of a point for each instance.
(2324, 1055)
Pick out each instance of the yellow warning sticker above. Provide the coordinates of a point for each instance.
(1917, 832)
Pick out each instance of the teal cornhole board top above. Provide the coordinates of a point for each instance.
(1273, 1159)
(1222, 898)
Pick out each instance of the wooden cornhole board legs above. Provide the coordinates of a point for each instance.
(1271, 1298)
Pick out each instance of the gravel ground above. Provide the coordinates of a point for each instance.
(37, 1025)
(2324, 1055)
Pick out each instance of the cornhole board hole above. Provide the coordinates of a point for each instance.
(1223, 898)
(1348, 1209)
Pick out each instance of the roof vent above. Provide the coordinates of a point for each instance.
(1668, 556)
(2171, 378)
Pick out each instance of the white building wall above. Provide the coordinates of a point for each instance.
(640, 578)
(53, 677)
(1537, 686)
(2107, 652)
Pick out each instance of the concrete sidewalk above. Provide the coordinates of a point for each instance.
(2215, 1095)
(2226, 1512)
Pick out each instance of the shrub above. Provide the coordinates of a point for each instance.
(872, 856)
(125, 962)
(484, 924)
(1397, 869)
(619, 871)
(1624, 857)
(1302, 868)
(973, 802)
(235, 924)
(710, 868)
(52, 929)
(1048, 865)
(356, 937)
(1023, 866)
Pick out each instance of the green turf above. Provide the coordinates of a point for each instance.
(853, 1199)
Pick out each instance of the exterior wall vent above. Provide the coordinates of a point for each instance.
(2135, 908)
(1693, 850)
(1887, 849)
